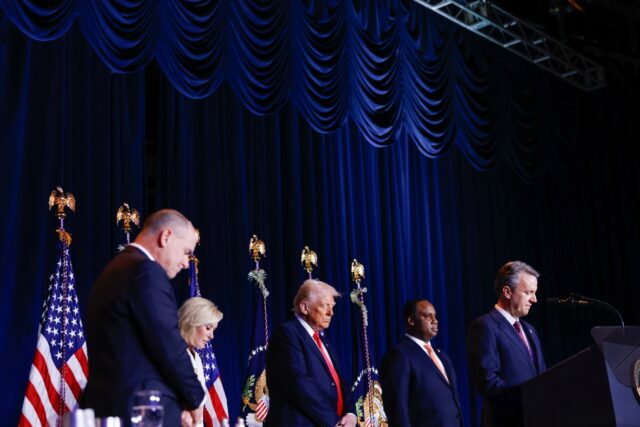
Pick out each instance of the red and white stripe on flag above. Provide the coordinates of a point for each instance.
(261, 410)
(42, 402)
(215, 406)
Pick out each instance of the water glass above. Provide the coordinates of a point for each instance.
(109, 422)
(146, 410)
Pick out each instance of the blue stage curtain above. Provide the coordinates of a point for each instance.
(388, 66)
(123, 33)
(42, 20)
(190, 49)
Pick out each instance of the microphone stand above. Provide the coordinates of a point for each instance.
(577, 298)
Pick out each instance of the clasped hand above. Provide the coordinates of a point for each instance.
(191, 418)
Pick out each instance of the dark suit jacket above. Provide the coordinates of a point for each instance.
(499, 363)
(414, 391)
(301, 390)
(133, 340)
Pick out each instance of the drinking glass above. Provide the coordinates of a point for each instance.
(146, 410)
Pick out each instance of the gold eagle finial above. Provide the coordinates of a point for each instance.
(357, 271)
(308, 259)
(127, 216)
(257, 248)
(61, 200)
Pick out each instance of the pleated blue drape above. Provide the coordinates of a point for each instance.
(388, 66)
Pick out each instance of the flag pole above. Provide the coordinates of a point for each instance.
(194, 270)
(60, 200)
(255, 394)
(357, 297)
(258, 249)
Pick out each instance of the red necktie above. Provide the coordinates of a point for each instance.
(524, 340)
(334, 374)
(436, 360)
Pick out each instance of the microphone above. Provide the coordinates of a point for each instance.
(575, 299)
(566, 301)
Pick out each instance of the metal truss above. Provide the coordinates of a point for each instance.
(498, 26)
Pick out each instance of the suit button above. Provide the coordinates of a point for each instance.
(333, 384)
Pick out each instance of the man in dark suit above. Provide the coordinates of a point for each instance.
(418, 382)
(504, 351)
(305, 387)
(132, 326)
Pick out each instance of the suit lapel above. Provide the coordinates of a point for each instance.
(313, 348)
(424, 358)
(512, 334)
(534, 342)
(447, 368)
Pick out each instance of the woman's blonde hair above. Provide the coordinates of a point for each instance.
(196, 312)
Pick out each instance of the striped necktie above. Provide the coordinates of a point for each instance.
(522, 337)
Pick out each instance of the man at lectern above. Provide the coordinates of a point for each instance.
(503, 350)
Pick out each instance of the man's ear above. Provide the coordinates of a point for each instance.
(164, 237)
(506, 291)
(411, 321)
(304, 308)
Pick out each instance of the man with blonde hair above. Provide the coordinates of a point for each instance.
(305, 387)
(132, 325)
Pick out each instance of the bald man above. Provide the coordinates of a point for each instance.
(305, 386)
(132, 326)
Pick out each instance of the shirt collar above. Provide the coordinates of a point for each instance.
(506, 315)
(143, 249)
(305, 325)
(417, 340)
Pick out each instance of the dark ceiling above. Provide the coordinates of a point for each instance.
(606, 29)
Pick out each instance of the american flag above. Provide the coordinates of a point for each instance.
(215, 407)
(61, 352)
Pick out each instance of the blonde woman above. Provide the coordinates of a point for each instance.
(198, 318)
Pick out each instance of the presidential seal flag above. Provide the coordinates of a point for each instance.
(255, 395)
(366, 390)
(215, 407)
(59, 369)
